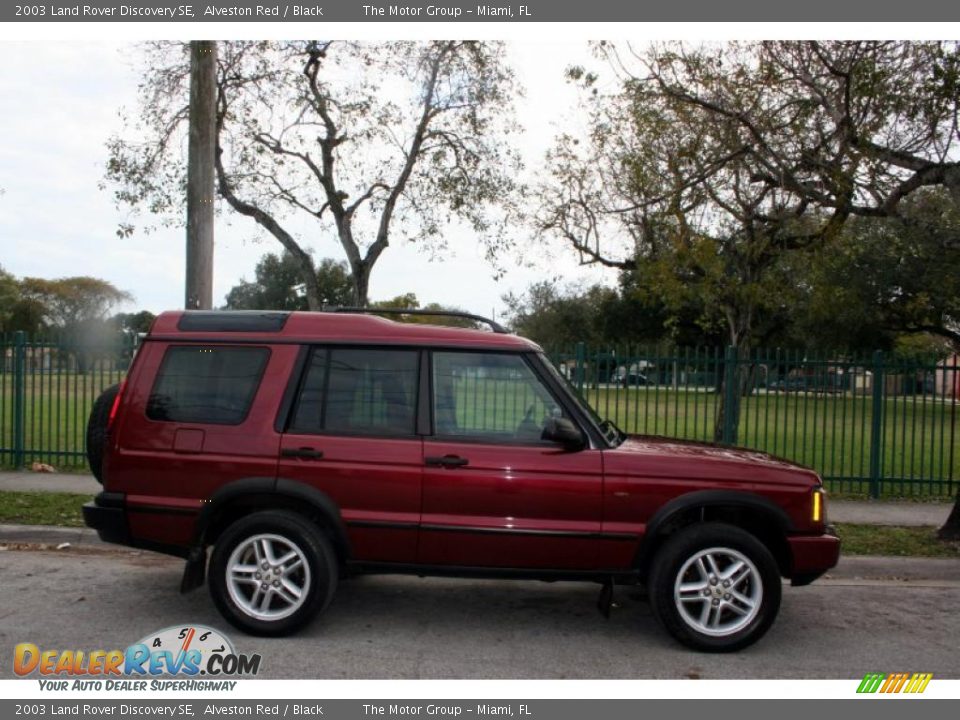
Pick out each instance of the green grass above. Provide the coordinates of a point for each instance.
(42, 508)
(55, 415)
(828, 432)
(888, 540)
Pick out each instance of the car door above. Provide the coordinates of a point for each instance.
(352, 435)
(494, 493)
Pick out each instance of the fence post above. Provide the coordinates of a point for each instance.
(19, 397)
(876, 425)
(730, 397)
(579, 372)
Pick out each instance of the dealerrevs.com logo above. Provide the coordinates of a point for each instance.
(181, 654)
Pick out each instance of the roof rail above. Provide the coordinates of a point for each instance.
(495, 326)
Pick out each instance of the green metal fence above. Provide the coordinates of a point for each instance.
(873, 424)
(47, 387)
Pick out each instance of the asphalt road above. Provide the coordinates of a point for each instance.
(404, 627)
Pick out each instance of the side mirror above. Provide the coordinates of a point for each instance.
(562, 430)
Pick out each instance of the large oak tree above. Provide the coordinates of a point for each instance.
(367, 141)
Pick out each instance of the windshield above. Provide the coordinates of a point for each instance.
(611, 433)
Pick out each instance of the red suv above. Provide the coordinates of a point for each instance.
(305, 448)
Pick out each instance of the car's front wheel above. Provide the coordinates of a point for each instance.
(271, 572)
(715, 587)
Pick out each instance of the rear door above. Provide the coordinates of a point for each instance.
(494, 493)
(352, 435)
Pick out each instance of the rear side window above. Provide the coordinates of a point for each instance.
(358, 392)
(206, 384)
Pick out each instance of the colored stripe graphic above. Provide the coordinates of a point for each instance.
(871, 682)
(894, 683)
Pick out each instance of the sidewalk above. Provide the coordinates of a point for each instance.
(888, 512)
(49, 482)
(866, 512)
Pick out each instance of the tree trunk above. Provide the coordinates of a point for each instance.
(741, 378)
(308, 273)
(740, 339)
(360, 276)
(951, 528)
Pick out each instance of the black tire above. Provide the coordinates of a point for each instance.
(97, 430)
(296, 531)
(730, 543)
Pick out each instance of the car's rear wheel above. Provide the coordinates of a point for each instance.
(715, 587)
(272, 572)
(97, 430)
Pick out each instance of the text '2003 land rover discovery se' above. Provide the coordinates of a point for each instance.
(307, 447)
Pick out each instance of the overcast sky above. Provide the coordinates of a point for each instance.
(61, 102)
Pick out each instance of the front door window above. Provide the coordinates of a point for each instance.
(489, 397)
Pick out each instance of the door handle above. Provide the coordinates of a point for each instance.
(447, 461)
(303, 452)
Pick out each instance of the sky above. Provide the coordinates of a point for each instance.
(62, 102)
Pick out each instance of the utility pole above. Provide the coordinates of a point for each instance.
(200, 174)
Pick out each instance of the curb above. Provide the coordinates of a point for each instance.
(894, 568)
(50, 535)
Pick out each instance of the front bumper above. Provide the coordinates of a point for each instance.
(813, 555)
(107, 515)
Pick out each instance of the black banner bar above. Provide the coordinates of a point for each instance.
(459, 11)
(440, 709)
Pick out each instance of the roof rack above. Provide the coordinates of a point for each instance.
(494, 325)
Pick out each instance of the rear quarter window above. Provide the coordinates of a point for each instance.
(206, 384)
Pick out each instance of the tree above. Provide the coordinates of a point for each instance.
(844, 128)
(134, 324)
(560, 316)
(409, 301)
(648, 195)
(278, 285)
(883, 283)
(557, 317)
(9, 296)
(367, 140)
(69, 302)
(837, 129)
(16, 311)
(77, 307)
(889, 276)
(713, 164)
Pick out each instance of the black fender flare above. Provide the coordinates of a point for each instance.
(264, 489)
(707, 499)
(308, 495)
